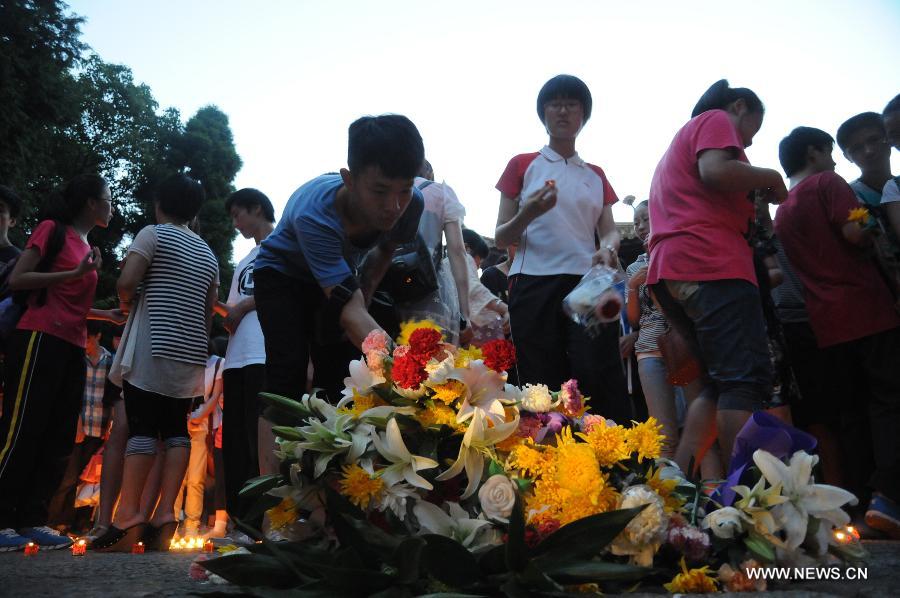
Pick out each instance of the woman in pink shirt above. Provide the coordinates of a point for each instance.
(701, 264)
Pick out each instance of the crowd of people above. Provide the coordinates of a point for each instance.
(728, 313)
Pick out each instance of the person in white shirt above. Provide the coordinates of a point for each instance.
(247, 440)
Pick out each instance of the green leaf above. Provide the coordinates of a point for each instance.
(252, 570)
(407, 559)
(495, 468)
(285, 404)
(449, 562)
(287, 432)
(585, 537)
(759, 546)
(516, 551)
(260, 485)
(594, 571)
(493, 561)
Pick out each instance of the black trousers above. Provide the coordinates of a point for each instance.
(239, 432)
(44, 389)
(62, 506)
(871, 378)
(299, 327)
(551, 348)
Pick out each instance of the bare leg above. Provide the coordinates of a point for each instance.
(113, 462)
(730, 422)
(268, 462)
(699, 433)
(150, 495)
(829, 453)
(137, 467)
(176, 460)
(783, 413)
(711, 465)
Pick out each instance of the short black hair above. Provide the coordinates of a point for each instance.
(892, 106)
(390, 141)
(720, 95)
(180, 196)
(565, 87)
(248, 198)
(792, 149)
(12, 200)
(854, 124)
(95, 327)
(476, 243)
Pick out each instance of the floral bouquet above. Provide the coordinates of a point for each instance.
(432, 475)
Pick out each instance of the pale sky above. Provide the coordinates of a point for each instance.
(292, 76)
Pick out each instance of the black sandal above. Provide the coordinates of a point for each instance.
(119, 540)
(159, 538)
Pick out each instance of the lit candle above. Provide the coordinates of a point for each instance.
(137, 548)
(31, 548)
(208, 546)
(852, 531)
(79, 548)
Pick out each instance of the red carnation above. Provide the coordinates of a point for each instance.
(424, 343)
(499, 354)
(408, 372)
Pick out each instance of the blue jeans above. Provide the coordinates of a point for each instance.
(723, 322)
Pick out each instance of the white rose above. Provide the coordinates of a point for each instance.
(537, 398)
(725, 523)
(497, 496)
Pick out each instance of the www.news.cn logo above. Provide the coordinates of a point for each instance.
(808, 573)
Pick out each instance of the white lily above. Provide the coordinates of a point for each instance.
(805, 498)
(339, 434)
(379, 412)
(404, 464)
(484, 390)
(457, 525)
(361, 379)
(394, 498)
(478, 438)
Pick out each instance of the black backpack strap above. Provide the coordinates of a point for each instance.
(423, 185)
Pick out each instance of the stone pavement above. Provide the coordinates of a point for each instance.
(58, 573)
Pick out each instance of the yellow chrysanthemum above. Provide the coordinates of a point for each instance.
(578, 471)
(528, 459)
(858, 215)
(464, 356)
(358, 486)
(509, 443)
(692, 581)
(362, 403)
(610, 443)
(410, 326)
(438, 414)
(645, 439)
(449, 391)
(665, 489)
(283, 514)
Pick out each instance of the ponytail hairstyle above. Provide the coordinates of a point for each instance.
(720, 95)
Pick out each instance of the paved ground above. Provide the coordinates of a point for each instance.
(58, 573)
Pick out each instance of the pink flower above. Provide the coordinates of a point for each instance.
(375, 361)
(589, 421)
(401, 351)
(571, 398)
(377, 340)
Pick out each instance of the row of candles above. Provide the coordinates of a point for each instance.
(843, 535)
(79, 547)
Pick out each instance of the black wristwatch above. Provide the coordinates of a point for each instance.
(463, 323)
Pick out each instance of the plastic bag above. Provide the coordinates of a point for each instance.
(598, 299)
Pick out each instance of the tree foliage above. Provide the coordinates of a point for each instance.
(66, 111)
